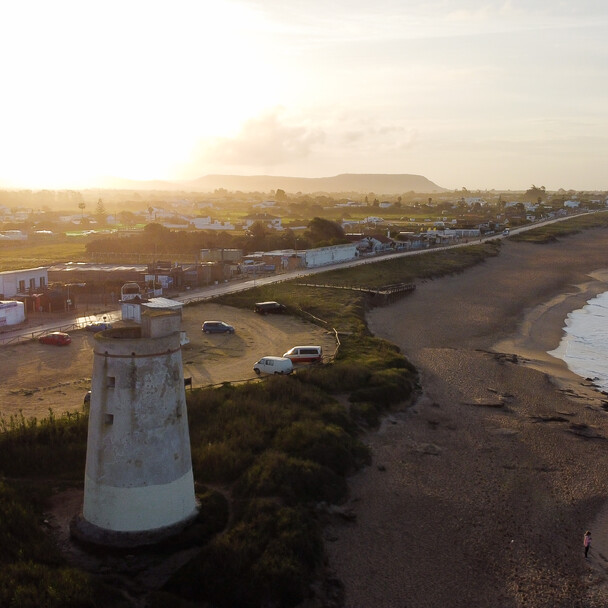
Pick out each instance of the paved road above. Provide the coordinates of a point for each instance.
(212, 291)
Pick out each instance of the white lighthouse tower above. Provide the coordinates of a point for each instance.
(139, 485)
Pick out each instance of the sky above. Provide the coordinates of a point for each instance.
(476, 94)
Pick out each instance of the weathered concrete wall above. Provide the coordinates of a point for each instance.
(139, 467)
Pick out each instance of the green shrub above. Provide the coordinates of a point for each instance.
(386, 387)
(337, 377)
(219, 462)
(267, 557)
(212, 518)
(29, 585)
(327, 445)
(21, 537)
(294, 480)
(49, 446)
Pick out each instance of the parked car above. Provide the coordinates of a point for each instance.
(273, 365)
(58, 338)
(304, 354)
(98, 326)
(217, 327)
(265, 308)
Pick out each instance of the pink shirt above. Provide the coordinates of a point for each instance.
(587, 540)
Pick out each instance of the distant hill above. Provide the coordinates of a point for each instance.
(363, 183)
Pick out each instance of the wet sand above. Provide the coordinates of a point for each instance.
(479, 493)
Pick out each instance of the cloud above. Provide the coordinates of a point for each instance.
(265, 141)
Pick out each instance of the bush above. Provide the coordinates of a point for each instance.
(221, 461)
(338, 377)
(267, 557)
(29, 585)
(49, 446)
(294, 480)
(387, 387)
(327, 445)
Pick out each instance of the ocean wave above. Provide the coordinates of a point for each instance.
(584, 347)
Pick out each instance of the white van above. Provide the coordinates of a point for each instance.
(273, 365)
(304, 354)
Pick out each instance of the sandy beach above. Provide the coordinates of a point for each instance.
(480, 492)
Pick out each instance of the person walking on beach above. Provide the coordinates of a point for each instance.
(587, 542)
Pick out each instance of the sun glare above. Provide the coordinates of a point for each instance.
(127, 91)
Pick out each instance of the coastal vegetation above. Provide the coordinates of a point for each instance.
(551, 232)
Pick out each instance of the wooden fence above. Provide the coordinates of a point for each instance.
(376, 297)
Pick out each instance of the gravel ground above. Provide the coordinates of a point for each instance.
(37, 377)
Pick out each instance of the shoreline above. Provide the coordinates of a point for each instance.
(542, 331)
(479, 493)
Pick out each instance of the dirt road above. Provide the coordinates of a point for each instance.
(37, 377)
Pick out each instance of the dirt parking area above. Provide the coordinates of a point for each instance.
(36, 378)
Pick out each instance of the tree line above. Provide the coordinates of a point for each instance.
(158, 239)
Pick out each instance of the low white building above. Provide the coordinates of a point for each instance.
(11, 313)
(14, 235)
(322, 256)
(132, 309)
(22, 282)
(268, 220)
(206, 223)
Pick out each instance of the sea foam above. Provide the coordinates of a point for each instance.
(584, 347)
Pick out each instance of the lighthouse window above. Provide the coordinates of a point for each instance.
(108, 419)
(111, 382)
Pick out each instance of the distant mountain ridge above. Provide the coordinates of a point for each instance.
(346, 182)
(363, 183)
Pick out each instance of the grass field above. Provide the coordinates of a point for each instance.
(18, 255)
(551, 232)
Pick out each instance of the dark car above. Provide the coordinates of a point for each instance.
(265, 308)
(58, 338)
(217, 327)
(99, 326)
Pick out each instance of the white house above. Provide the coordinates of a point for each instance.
(572, 204)
(14, 235)
(376, 244)
(350, 204)
(206, 223)
(350, 224)
(473, 200)
(268, 220)
(321, 256)
(20, 282)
